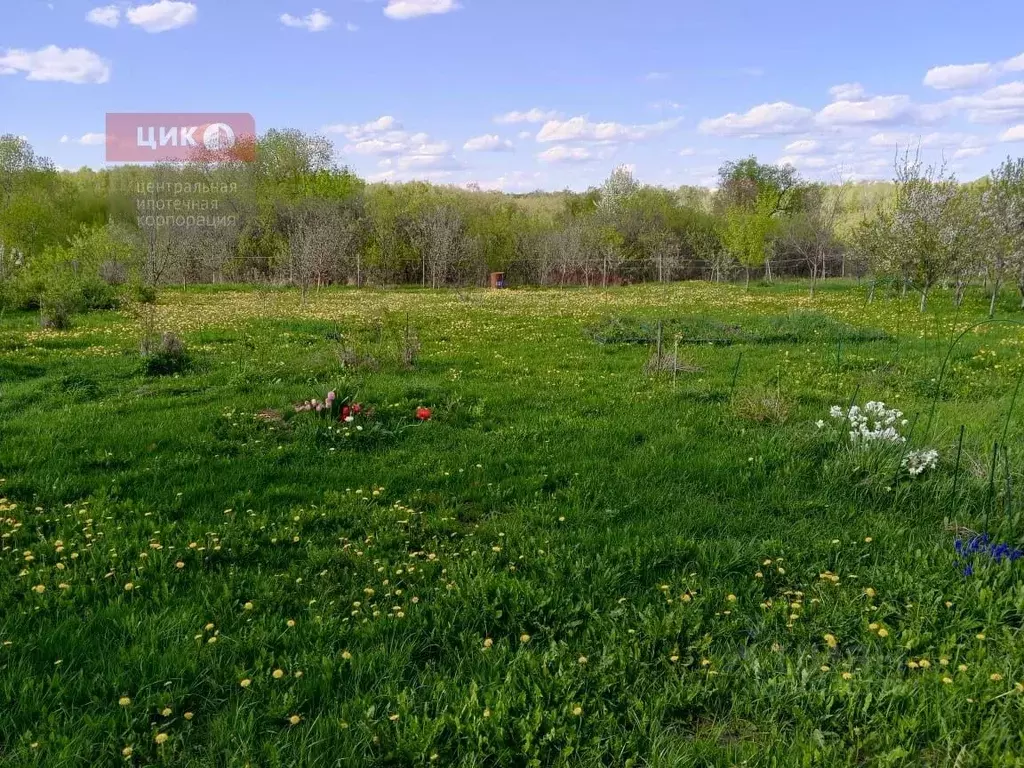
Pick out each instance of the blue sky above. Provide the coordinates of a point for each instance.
(525, 94)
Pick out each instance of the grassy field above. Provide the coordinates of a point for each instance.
(576, 560)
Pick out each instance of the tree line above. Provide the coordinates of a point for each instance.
(292, 216)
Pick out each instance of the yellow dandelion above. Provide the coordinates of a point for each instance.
(947, 680)
(126, 752)
(873, 626)
(980, 635)
(246, 683)
(847, 675)
(731, 598)
(867, 539)
(294, 719)
(124, 701)
(209, 627)
(166, 711)
(758, 575)
(346, 655)
(870, 592)
(129, 587)
(39, 589)
(247, 606)
(912, 664)
(883, 632)
(488, 642)
(673, 659)
(924, 663)
(290, 623)
(161, 738)
(189, 715)
(524, 638)
(962, 667)
(394, 718)
(995, 677)
(277, 674)
(825, 667)
(179, 565)
(577, 710)
(582, 659)
(830, 641)
(944, 661)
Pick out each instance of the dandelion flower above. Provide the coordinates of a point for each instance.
(124, 701)
(947, 680)
(980, 635)
(346, 655)
(209, 627)
(161, 738)
(577, 710)
(179, 565)
(39, 589)
(129, 587)
(731, 598)
(246, 683)
(830, 641)
(883, 632)
(524, 638)
(924, 663)
(962, 667)
(488, 642)
(277, 674)
(166, 711)
(189, 715)
(825, 667)
(582, 659)
(126, 752)
(294, 719)
(394, 718)
(847, 675)
(870, 592)
(290, 623)
(247, 606)
(995, 677)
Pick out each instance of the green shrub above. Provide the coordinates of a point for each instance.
(164, 355)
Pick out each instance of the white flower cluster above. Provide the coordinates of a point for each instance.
(873, 424)
(917, 462)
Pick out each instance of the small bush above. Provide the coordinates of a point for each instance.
(143, 294)
(763, 406)
(164, 355)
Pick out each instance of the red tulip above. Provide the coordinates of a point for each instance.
(423, 414)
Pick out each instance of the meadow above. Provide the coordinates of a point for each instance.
(537, 542)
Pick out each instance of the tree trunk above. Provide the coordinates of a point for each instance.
(924, 298)
(992, 303)
(747, 285)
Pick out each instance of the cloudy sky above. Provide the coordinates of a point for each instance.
(525, 94)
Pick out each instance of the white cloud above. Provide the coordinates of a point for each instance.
(1016, 64)
(959, 76)
(53, 64)
(1003, 103)
(873, 111)
(687, 152)
(351, 27)
(778, 118)
(804, 161)
(410, 9)
(581, 129)
(163, 16)
(525, 134)
(564, 154)
(535, 115)
(87, 140)
(428, 162)
(1013, 134)
(488, 143)
(965, 152)
(847, 92)
(107, 16)
(802, 147)
(361, 131)
(317, 21)
(906, 139)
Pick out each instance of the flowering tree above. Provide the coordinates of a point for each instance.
(1002, 206)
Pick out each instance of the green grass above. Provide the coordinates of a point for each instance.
(558, 493)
